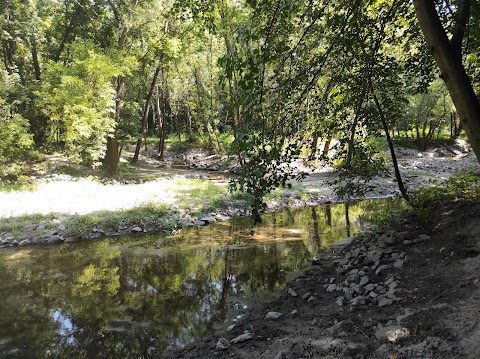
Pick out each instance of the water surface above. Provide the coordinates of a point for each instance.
(140, 296)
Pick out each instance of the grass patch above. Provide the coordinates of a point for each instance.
(23, 184)
(465, 185)
(150, 215)
(18, 223)
(418, 173)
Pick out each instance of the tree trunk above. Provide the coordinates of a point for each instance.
(36, 64)
(448, 56)
(398, 176)
(143, 125)
(111, 157)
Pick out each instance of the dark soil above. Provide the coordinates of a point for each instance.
(433, 310)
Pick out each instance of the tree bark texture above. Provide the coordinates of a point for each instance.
(448, 56)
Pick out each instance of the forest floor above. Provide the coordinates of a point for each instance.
(410, 292)
(185, 189)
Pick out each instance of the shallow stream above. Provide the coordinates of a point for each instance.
(135, 297)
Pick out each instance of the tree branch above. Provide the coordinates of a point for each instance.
(461, 20)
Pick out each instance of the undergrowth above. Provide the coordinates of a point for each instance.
(150, 216)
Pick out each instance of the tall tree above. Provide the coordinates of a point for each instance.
(448, 55)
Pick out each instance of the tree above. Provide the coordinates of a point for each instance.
(77, 98)
(448, 54)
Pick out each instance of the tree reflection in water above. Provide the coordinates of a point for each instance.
(132, 297)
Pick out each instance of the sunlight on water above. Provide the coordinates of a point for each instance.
(134, 297)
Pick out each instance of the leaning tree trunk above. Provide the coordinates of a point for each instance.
(448, 56)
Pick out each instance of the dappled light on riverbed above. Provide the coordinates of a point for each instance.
(140, 296)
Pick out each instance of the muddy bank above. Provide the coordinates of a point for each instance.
(408, 292)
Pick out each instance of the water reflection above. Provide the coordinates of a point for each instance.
(137, 297)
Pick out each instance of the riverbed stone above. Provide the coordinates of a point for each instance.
(223, 344)
(137, 229)
(242, 338)
(342, 326)
(292, 292)
(398, 264)
(360, 300)
(331, 287)
(391, 333)
(208, 219)
(424, 237)
(273, 315)
(385, 302)
(230, 328)
(408, 312)
(381, 269)
(364, 281)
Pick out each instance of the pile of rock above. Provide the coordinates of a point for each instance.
(365, 272)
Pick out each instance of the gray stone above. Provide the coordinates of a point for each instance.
(407, 242)
(391, 333)
(424, 237)
(389, 280)
(407, 313)
(305, 296)
(25, 242)
(389, 237)
(398, 264)
(369, 287)
(382, 268)
(292, 292)
(339, 301)
(208, 219)
(199, 223)
(273, 315)
(137, 229)
(230, 328)
(280, 355)
(392, 286)
(375, 255)
(385, 302)
(360, 300)
(395, 256)
(356, 252)
(331, 287)
(343, 326)
(364, 281)
(348, 293)
(312, 298)
(223, 344)
(242, 338)
(353, 277)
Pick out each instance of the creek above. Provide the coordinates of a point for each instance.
(141, 296)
